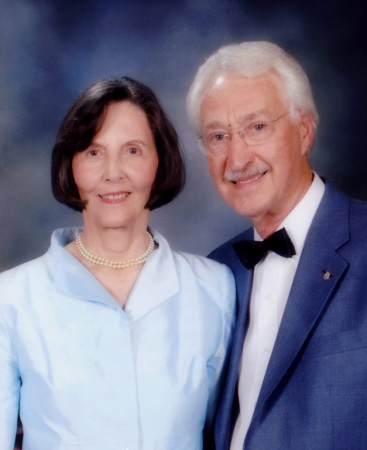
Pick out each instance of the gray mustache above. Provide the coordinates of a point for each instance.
(248, 171)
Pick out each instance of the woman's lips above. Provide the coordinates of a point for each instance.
(114, 197)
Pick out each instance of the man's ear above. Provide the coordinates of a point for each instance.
(307, 132)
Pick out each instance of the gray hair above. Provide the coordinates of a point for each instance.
(253, 59)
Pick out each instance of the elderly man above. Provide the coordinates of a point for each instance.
(297, 376)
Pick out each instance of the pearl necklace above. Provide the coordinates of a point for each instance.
(114, 264)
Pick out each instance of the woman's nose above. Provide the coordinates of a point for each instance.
(114, 170)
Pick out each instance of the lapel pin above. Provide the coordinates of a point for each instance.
(327, 275)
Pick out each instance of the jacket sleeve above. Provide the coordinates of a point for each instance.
(9, 389)
(217, 365)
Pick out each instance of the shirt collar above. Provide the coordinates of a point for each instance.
(298, 222)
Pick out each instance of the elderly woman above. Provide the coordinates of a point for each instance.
(112, 340)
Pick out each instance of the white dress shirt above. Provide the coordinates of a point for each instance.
(272, 281)
(90, 375)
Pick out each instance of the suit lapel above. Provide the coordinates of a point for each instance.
(228, 404)
(320, 270)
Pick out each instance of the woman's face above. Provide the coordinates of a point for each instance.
(116, 172)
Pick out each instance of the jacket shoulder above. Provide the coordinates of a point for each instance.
(225, 253)
(206, 268)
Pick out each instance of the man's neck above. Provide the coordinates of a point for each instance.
(270, 222)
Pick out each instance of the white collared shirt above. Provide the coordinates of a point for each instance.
(272, 281)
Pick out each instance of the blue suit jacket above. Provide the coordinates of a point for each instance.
(314, 394)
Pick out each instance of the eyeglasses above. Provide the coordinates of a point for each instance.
(216, 142)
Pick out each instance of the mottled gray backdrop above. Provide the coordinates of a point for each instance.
(51, 50)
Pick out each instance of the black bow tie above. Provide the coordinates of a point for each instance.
(252, 252)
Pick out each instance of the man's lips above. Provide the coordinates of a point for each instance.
(248, 174)
(248, 179)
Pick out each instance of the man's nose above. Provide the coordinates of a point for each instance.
(239, 153)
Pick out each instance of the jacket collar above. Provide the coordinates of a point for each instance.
(157, 281)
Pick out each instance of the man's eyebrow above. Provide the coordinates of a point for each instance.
(242, 118)
(252, 115)
(214, 125)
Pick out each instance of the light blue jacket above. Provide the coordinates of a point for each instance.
(93, 376)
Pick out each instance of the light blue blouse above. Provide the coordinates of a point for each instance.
(90, 375)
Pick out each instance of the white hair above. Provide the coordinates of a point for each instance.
(250, 60)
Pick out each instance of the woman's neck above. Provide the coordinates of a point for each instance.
(116, 243)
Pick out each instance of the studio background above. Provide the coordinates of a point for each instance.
(52, 50)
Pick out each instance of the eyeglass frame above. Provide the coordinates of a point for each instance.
(202, 146)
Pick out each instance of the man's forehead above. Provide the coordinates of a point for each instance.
(223, 78)
(246, 97)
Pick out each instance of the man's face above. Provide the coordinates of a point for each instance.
(264, 181)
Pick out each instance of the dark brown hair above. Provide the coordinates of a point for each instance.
(82, 123)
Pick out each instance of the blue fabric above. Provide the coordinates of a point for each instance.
(314, 395)
(93, 376)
